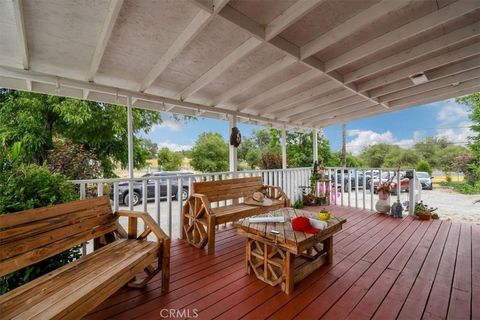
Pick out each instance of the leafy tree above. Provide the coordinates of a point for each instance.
(352, 161)
(34, 119)
(424, 166)
(473, 101)
(73, 160)
(149, 146)
(169, 160)
(404, 158)
(210, 153)
(271, 161)
(374, 156)
(446, 156)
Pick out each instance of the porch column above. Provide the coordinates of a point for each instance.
(284, 148)
(130, 148)
(315, 145)
(232, 122)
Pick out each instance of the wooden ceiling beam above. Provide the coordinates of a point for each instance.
(419, 51)
(428, 86)
(279, 89)
(364, 18)
(422, 66)
(289, 17)
(199, 22)
(311, 105)
(250, 82)
(415, 27)
(107, 28)
(319, 109)
(227, 62)
(445, 71)
(21, 32)
(346, 109)
(300, 98)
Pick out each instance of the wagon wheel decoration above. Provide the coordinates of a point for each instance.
(272, 193)
(194, 223)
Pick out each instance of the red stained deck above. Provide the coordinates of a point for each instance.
(383, 268)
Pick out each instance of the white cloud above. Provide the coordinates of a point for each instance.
(174, 146)
(365, 138)
(170, 124)
(451, 113)
(454, 125)
(458, 134)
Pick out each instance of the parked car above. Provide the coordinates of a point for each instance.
(404, 182)
(345, 179)
(124, 197)
(425, 180)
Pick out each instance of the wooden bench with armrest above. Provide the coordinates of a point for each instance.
(71, 291)
(217, 202)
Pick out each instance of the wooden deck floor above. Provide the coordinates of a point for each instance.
(383, 268)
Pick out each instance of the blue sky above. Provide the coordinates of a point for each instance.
(446, 119)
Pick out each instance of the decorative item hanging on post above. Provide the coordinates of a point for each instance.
(235, 137)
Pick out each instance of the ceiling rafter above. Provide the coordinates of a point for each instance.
(422, 66)
(368, 112)
(107, 28)
(339, 111)
(348, 27)
(326, 108)
(311, 105)
(300, 97)
(430, 85)
(419, 51)
(113, 92)
(250, 82)
(227, 62)
(415, 27)
(289, 17)
(21, 32)
(278, 89)
(444, 71)
(233, 16)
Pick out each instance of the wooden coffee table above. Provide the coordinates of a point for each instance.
(272, 255)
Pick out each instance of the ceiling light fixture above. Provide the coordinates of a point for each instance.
(418, 78)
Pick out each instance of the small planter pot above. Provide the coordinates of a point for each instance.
(424, 216)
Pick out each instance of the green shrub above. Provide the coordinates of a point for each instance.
(424, 166)
(462, 187)
(30, 186)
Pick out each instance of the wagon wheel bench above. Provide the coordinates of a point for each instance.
(271, 256)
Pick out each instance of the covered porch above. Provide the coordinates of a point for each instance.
(383, 269)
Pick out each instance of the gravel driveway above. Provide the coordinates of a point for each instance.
(453, 205)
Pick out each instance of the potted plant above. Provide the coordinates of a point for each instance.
(423, 212)
(384, 190)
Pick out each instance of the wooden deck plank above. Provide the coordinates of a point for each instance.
(394, 300)
(460, 299)
(437, 305)
(376, 259)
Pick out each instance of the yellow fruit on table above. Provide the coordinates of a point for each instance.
(324, 216)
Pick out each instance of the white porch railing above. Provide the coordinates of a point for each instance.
(163, 199)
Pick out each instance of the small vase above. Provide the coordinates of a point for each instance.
(383, 206)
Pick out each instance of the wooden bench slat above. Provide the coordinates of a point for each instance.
(15, 248)
(29, 216)
(17, 232)
(58, 303)
(28, 258)
(35, 291)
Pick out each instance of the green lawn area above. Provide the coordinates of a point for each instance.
(462, 187)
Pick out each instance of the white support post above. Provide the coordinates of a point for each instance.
(315, 145)
(284, 148)
(233, 150)
(130, 150)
